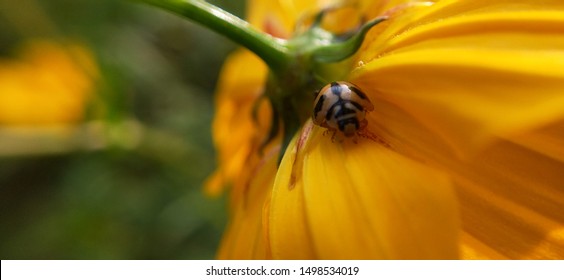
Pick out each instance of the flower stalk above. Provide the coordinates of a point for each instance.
(271, 50)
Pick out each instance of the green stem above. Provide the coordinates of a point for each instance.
(273, 51)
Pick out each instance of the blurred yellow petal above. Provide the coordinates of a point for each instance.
(547, 140)
(49, 84)
(281, 17)
(244, 237)
(235, 132)
(354, 201)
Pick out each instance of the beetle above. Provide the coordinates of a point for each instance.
(341, 107)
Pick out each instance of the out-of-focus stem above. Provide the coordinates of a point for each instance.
(272, 50)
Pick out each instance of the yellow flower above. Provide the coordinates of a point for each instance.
(468, 94)
(48, 84)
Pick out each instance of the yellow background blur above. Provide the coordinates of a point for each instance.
(105, 112)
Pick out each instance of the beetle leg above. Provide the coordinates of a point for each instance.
(362, 125)
(337, 136)
(355, 138)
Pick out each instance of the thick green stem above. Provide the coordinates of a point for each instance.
(273, 51)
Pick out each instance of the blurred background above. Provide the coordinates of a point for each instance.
(105, 114)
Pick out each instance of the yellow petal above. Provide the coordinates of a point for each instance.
(547, 140)
(512, 196)
(407, 15)
(445, 83)
(469, 84)
(288, 228)
(448, 8)
(356, 201)
(235, 133)
(244, 237)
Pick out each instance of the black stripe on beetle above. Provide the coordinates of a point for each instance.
(331, 110)
(341, 107)
(342, 123)
(318, 106)
(358, 106)
(358, 92)
(345, 111)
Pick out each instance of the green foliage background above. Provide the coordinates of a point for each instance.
(121, 202)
